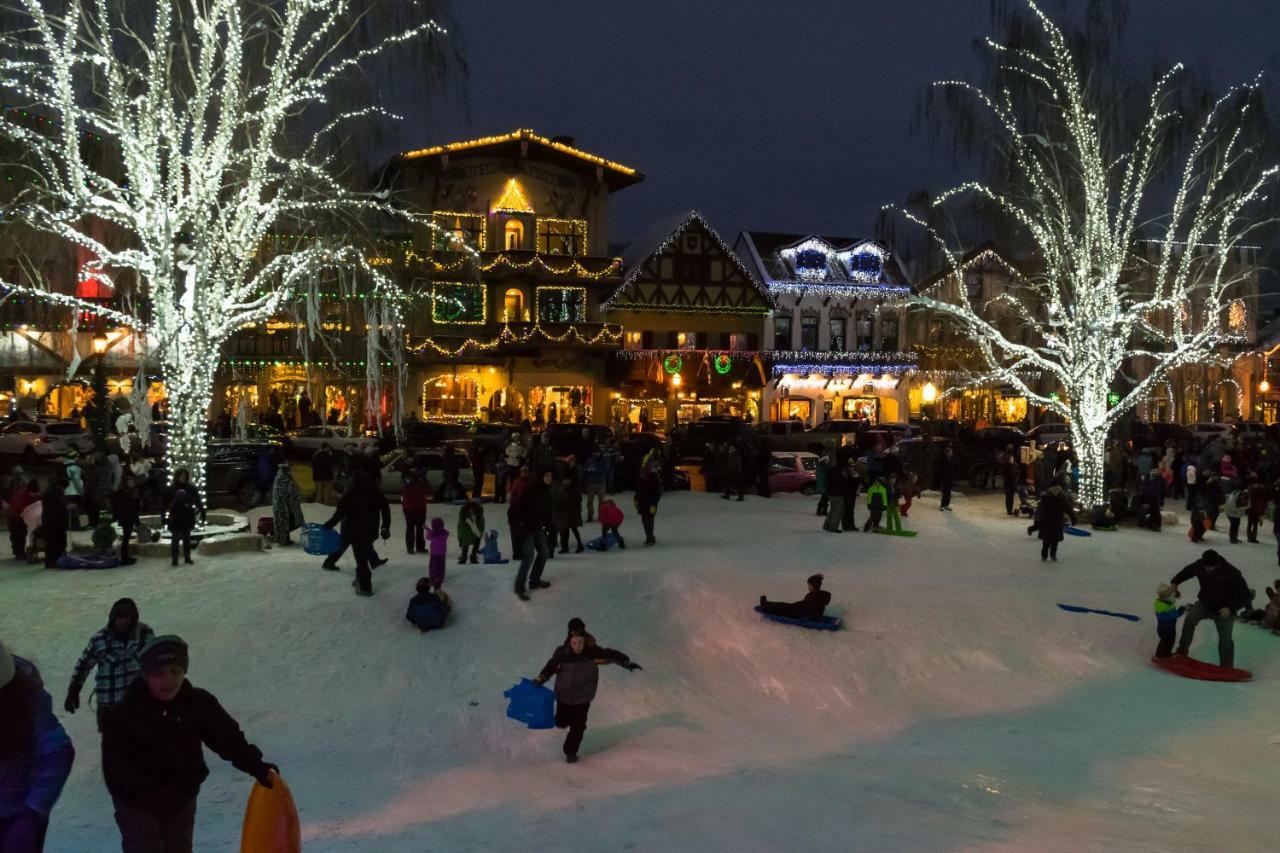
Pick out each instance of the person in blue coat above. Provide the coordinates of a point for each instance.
(429, 609)
(35, 756)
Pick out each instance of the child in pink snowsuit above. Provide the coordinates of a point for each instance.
(438, 547)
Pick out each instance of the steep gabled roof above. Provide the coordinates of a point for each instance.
(655, 239)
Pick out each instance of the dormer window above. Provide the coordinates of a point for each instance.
(864, 262)
(808, 260)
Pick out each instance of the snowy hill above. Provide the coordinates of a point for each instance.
(959, 710)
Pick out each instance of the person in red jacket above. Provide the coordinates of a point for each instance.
(21, 498)
(610, 520)
(413, 500)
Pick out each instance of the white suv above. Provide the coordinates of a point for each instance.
(35, 439)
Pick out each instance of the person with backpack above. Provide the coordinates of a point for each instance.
(576, 669)
(113, 652)
(35, 756)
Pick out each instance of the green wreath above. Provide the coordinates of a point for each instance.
(723, 363)
(673, 364)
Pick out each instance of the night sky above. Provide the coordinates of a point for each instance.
(781, 115)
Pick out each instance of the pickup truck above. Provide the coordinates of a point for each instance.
(790, 437)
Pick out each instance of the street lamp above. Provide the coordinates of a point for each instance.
(1264, 386)
(99, 343)
(675, 380)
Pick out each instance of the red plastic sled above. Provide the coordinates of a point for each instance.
(1191, 668)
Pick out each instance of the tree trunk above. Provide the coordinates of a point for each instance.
(1089, 443)
(188, 374)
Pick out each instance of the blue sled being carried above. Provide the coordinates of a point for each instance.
(826, 623)
(531, 704)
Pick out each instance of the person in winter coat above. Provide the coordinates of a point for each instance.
(286, 506)
(1258, 500)
(17, 500)
(1213, 498)
(438, 548)
(567, 498)
(1223, 591)
(811, 607)
(825, 463)
(113, 651)
(611, 522)
(322, 474)
(1167, 613)
(834, 498)
(648, 493)
(74, 489)
(180, 517)
(364, 513)
(429, 609)
(126, 507)
(1189, 476)
(53, 523)
(529, 515)
(470, 531)
(1052, 515)
(413, 503)
(877, 500)
(152, 751)
(576, 669)
(729, 470)
(595, 476)
(852, 484)
(514, 457)
(944, 473)
(35, 756)
(1236, 508)
(1152, 496)
(1010, 476)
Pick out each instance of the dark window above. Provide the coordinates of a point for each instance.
(451, 229)
(562, 304)
(457, 302)
(809, 334)
(888, 334)
(864, 328)
(835, 327)
(782, 331)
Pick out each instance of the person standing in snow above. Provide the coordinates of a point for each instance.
(470, 531)
(1167, 613)
(152, 751)
(567, 498)
(126, 507)
(364, 512)
(322, 475)
(413, 503)
(35, 756)
(438, 546)
(648, 493)
(17, 498)
(1051, 520)
(53, 523)
(1223, 591)
(286, 506)
(576, 669)
(73, 491)
(811, 607)
(944, 474)
(529, 516)
(114, 652)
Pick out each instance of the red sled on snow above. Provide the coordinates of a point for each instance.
(1189, 667)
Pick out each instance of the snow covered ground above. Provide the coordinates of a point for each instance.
(960, 710)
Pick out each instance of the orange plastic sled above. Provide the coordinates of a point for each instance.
(271, 821)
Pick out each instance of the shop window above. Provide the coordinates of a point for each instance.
(449, 397)
(1237, 316)
(458, 302)
(782, 332)
(835, 332)
(792, 408)
(513, 235)
(633, 341)
(861, 409)
(685, 340)
(513, 305)
(809, 334)
(560, 404)
(562, 304)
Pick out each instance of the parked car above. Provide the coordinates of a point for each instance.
(33, 440)
(1250, 429)
(691, 440)
(425, 434)
(633, 449)
(567, 438)
(1205, 431)
(785, 436)
(305, 442)
(1145, 434)
(1046, 434)
(231, 472)
(393, 471)
(793, 472)
(901, 430)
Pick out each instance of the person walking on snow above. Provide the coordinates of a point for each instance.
(944, 473)
(648, 493)
(152, 751)
(286, 506)
(113, 651)
(1051, 521)
(576, 669)
(126, 506)
(35, 756)
(413, 503)
(1167, 613)
(470, 531)
(364, 513)
(1223, 591)
(438, 546)
(528, 516)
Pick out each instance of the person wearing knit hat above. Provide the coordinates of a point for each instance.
(577, 626)
(114, 651)
(1167, 613)
(153, 750)
(35, 756)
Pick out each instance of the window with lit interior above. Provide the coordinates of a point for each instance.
(562, 304)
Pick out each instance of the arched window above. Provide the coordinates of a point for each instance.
(513, 305)
(1237, 316)
(513, 235)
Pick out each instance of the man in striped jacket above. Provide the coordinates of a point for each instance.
(114, 651)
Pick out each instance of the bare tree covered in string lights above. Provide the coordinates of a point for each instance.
(201, 102)
(1111, 286)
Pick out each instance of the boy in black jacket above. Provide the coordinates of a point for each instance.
(152, 754)
(576, 667)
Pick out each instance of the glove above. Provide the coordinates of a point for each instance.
(72, 703)
(264, 772)
(630, 666)
(24, 832)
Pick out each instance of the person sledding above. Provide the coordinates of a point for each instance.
(810, 608)
(429, 609)
(576, 669)
(1223, 591)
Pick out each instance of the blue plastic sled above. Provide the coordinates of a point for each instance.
(603, 543)
(826, 623)
(490, 553)
(532, 704)
(87, 561)
(1076, 531)
(1072, 608)
(319, 540)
